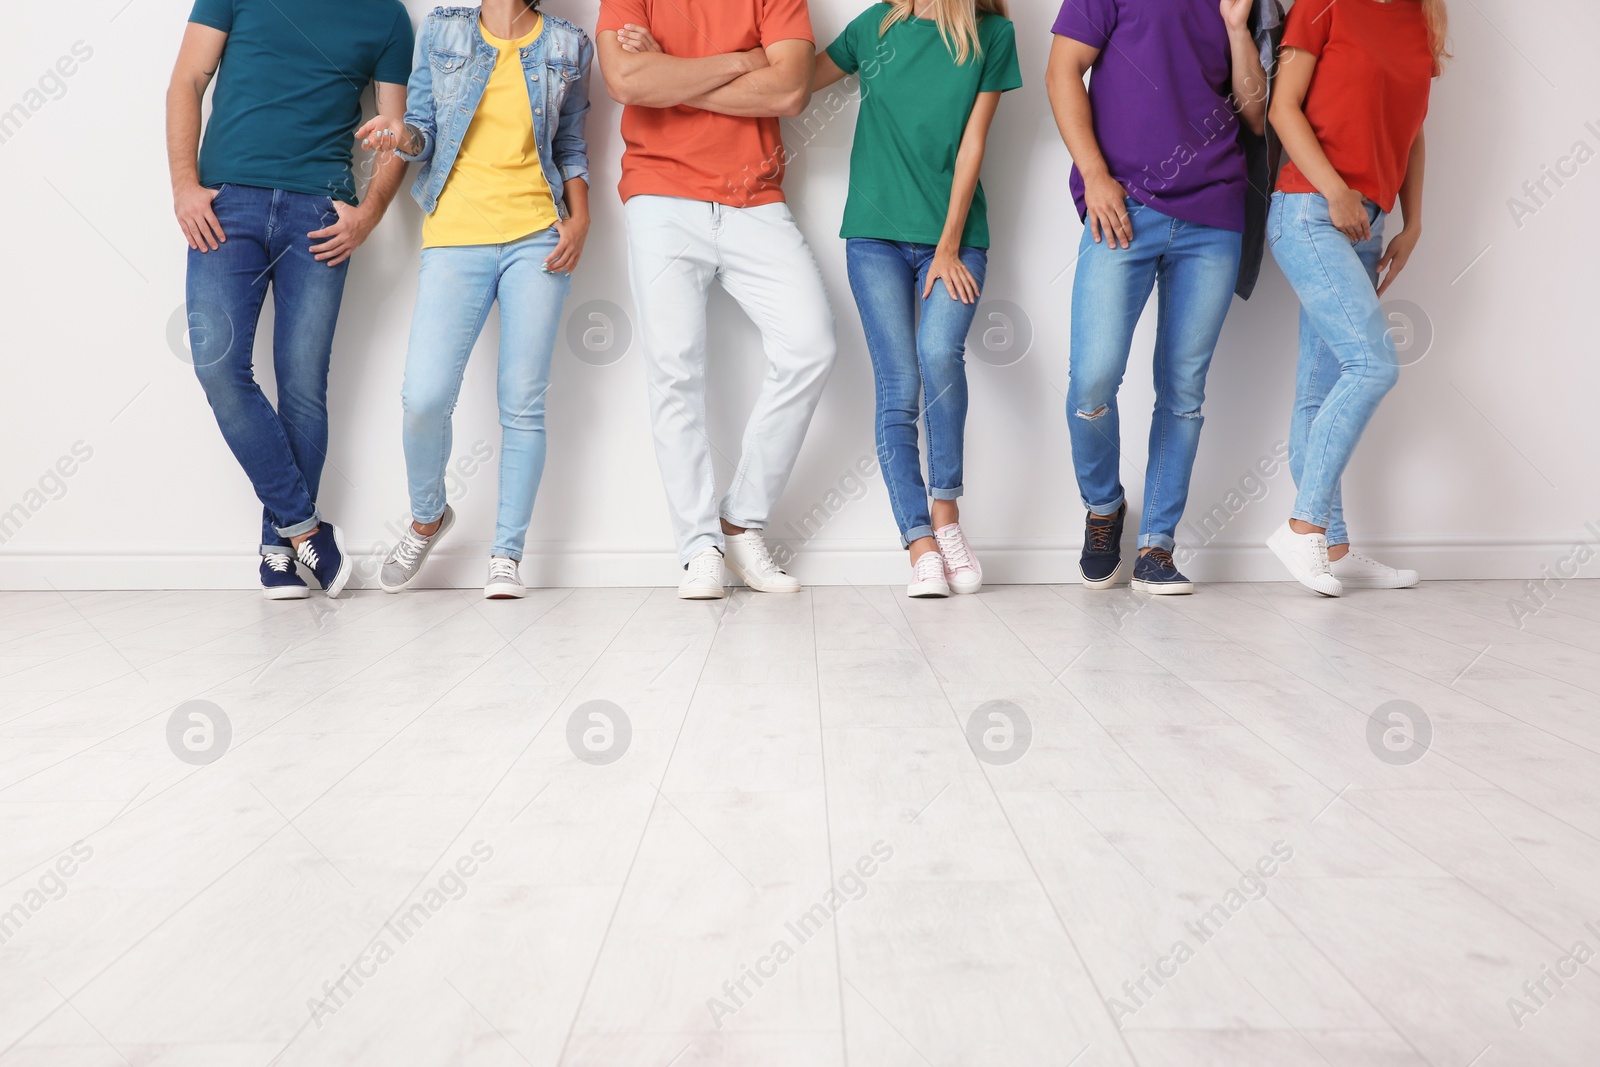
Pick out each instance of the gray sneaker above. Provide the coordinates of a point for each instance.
(406, 558)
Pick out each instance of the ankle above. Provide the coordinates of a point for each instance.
(297, 539)
(1337, 552)
(921, 547)
(427, 529)
(730, 530)
(1301, 527)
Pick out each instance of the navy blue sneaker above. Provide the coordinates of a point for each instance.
(1101, 561)
(323, 555)
(1154, 572)
(279, 580)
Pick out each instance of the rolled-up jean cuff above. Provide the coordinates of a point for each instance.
(437, 515)
(946, 494)
(1157, 540)
(300, 527)
(1107, 509)
(698, 545)
(1314, 520)
(743, 525)
(916, 533)
(276, 550)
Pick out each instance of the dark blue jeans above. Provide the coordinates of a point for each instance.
(281, 450)
(918, 348)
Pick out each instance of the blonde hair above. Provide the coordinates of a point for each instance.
(1438, 20)
(957, 19)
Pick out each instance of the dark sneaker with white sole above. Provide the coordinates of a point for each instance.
(1101, 560)
(279, 579)
(1154, 572)
(324, 556)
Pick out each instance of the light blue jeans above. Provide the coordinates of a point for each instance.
(918, 347)
(454, 292)
(1197, 267)
(1347, 358)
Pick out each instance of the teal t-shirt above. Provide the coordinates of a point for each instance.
(288, 93)
(915, 102)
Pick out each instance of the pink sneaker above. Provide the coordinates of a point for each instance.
(927, 577)
(961, 568)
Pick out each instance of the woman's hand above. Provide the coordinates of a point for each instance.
(382, 135)
(958, 280)
(192, 205)
(1106, 202)
(1348, 212)
(574, 230)
(637, 39)
(1397, 255)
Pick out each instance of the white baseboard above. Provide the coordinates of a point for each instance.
(839, 563)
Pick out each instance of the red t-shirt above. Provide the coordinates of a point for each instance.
(703, 155)
(1369, 93)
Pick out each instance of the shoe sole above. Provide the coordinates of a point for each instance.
(966, 588)
(346, 566)
(1162, 588)
(928, 592)
(1295, 574)
(287, 592)
(698, 595)
(1351, 583)
(1100, 583)
(504, 592)
(444, 527)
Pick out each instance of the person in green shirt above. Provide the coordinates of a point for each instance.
(916, 233)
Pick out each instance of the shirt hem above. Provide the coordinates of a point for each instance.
(628, 191)
(304, 189)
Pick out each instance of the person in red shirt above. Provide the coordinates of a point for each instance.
(1352, 92)
(703, 83)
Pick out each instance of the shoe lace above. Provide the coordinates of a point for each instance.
(953, 546)
(758, 548)
(930, 567)
(409, 549)
(1162, 558)
(706, 565)
(502, 569)
(308, 554)
(1099, 530)
(278, 561)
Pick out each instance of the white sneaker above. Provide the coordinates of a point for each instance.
(961, 568)
(1363, 572)
(703, 580)
(504, 581)
(927, 577)
(1306, 556)
(751, 563)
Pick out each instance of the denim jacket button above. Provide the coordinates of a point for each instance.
(538, 111)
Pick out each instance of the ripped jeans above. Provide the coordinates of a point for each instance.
(1196, 267)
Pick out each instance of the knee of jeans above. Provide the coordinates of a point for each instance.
(1089, 411)
(423, 402)
(523, 416)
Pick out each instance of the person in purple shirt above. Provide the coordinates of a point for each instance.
(1160, 178)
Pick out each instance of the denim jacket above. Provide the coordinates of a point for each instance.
(451, 71)
(1262, 154)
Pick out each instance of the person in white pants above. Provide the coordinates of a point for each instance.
(702, 187)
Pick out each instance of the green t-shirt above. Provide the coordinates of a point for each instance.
(915, 102)
(288, 96)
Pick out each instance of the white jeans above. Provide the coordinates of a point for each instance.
(676, 249)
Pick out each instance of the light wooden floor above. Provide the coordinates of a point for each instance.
(1196, 850)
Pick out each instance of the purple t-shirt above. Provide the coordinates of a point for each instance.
(1160, 96)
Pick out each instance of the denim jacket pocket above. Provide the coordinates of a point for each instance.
(449, 74)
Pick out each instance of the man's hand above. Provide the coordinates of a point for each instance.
(340, 240)
(637, 39)
(1236, 14)
(574, 231)
(1397, 255)
(1348, 212)
(192, 204)
(1106, 202)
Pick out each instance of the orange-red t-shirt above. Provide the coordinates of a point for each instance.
(703, 155)
(1369, 93)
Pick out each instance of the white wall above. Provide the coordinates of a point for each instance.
(1480, 464)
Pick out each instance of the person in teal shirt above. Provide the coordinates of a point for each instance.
(916, 233)
(269, 201)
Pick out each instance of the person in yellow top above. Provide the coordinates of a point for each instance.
(495, 114)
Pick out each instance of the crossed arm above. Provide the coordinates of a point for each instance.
(760, 83)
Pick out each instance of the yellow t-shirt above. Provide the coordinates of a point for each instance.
(497, 191)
